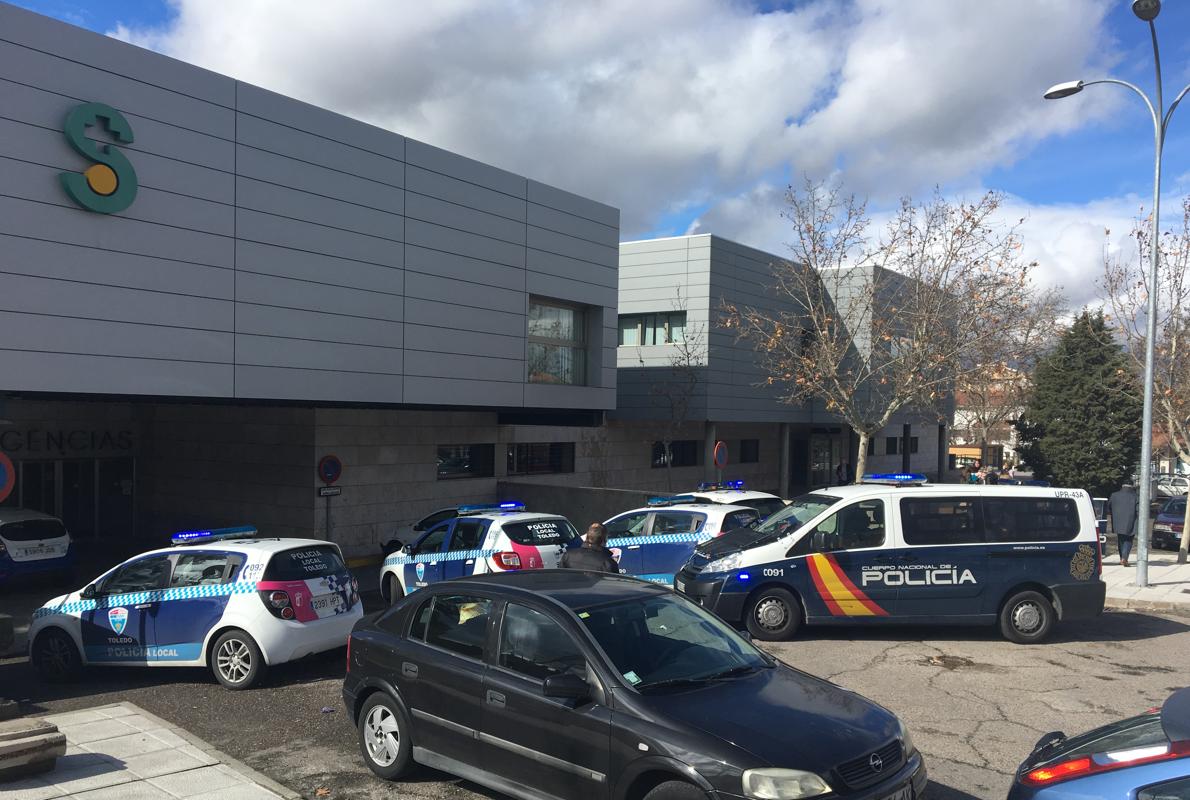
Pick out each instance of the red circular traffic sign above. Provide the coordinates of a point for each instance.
(330, 469)
(720, 454)
(8, 477)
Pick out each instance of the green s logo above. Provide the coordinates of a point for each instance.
(109, 185)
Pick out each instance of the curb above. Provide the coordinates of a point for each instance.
(1158, 606)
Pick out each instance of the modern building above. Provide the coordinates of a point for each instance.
(207, 288)
(675, 354)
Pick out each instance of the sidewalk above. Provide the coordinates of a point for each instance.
(120, 752)
(1168, 589)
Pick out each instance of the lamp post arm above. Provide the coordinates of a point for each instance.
(1169, 112)
(1139, 91)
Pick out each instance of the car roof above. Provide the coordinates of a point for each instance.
(22, 515)
(512, 516)
(734, 494)
(861, 490)
(701, 508)
(260, 546)
(573, 588)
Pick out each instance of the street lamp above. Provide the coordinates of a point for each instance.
(1146, 11)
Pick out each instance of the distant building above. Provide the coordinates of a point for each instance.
(983, 417)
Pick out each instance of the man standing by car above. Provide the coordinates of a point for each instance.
(1122, 506)
(593, 555)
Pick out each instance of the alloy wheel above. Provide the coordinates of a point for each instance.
(382, 737)
(234, 661)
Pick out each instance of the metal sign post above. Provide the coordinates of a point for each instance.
(330, 469)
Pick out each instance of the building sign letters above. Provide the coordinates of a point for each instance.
(63, 442)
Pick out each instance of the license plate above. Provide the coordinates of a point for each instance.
(326, 602)
(1165, 528)
(904, 793)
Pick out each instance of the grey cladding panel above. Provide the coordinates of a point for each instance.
(267, 351)
(304, 384)
(545, 285)
(284, 171)
(604, 255)
(75, 263)
(124, 94)
(462, 392)
(452, 215)
(301, 205)
(454, 190)
(274, 138)
(426, 312)
(54, 372)
(303, 116)
(464, 268)
(562, 200)
(436, 237)
(448, 290)
(571, 225)
(286, 263)
(285, 232)
(435, 159)
(572, 268)
(452, 365)
(100, 51)
(545, 396)
(452, 340)
(57, 334)
(287, 293)
(315, 326)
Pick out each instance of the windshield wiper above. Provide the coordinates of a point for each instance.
(744, 669)
(672, 682)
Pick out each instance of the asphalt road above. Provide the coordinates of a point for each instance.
(974, 703)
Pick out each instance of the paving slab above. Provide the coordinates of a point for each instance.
(1168, 590)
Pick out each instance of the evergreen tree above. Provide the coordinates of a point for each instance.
(1082, 426)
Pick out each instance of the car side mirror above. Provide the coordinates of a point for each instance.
(90, 592)
(818, 541)
(568, 686)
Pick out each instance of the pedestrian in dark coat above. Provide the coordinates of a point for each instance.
(1123, 507)
(593, 555)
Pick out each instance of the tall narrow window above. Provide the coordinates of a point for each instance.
(557, 343)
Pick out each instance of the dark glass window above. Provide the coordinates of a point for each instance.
(540, 459)
(675, 522)
(912, 444)
(32, 530)
(466, 461)
(304, 563)
(941, 520)
(459, 623)
(432, 542)
(628, 525)
(685, 453)
(421, 621)
(557, 343)
(872, 446)
(142, 575)
(892, 445)
(749, 451)
(1030, 519)
(857, 526)
(652, 329)
(467, 535)
(205, 569)
(535, 645)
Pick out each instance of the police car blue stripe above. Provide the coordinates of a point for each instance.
(456, 555)
(156, 596)
(669, 539)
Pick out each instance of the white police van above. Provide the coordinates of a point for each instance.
(479, 538)
(652, 543)
(219, 598)
(895, 549)
(734, 493)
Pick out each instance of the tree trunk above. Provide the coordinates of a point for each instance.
(1182, 546)
(861, 458)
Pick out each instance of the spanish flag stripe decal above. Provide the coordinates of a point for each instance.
(823, 592)
(840, 594)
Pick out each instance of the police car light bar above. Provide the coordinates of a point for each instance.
(669, 501)
(213, 535)
(708, 486)
(895, 478)
(480, 508)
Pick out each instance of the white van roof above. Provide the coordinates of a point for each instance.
(861, 490)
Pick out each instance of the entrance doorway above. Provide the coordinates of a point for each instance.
(94, 497)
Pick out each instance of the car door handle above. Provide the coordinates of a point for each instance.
(409, 670)
(495, 699)
(469, 561)
(634, 547)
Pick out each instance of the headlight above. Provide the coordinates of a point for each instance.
(906, 740)
(771, 783)
(725, 564)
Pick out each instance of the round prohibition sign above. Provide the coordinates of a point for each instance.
(8, 477)
(720, 454)
(330, 469)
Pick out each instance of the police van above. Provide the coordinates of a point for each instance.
(222, 598)
(652, 543)
(734, 493)
(478, 538)
(895, 549)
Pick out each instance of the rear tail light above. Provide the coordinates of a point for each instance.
(1104, 762)
(507, 560)
(277, 602)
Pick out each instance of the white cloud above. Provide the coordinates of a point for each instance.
(672, 104)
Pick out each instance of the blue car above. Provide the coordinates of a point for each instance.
(1140, 758)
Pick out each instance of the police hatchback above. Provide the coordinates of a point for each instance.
(479, 538)
(32, 543)
(733, 493)
(895, 549)
(653, 543)
(219, 598)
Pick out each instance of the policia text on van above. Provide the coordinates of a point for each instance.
(896, 549)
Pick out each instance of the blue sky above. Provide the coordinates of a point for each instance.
(677, 114)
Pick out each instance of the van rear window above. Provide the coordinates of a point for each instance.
(32, 530)
(1030, 519)
(303, 563)
(541, 531)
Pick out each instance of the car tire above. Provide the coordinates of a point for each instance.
(773, 615)
(676, 790)
(393, 590)
(384, 737)
(1026, 618)
(56, 657)
(237, 661)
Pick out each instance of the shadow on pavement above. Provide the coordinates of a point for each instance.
(938, 791)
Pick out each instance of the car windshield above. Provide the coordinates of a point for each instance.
(1175, 507)
(32, 530)
(766, 506)
(667, 640)
(793, 516)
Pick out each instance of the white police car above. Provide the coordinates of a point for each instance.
(654, 542)
(32, 543)
(218, 598)
(733, 493)
(482, 537)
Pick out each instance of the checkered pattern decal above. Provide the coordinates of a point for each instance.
(156, 596)
(674, 538)
(454, 555)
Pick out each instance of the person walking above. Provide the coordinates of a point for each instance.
(593, 555)
(1123, 508)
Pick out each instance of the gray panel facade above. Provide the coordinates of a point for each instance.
(274, 249)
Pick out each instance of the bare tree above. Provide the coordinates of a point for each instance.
(1126, 288)
(675, 392)
(887, 322)
(993, 396)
